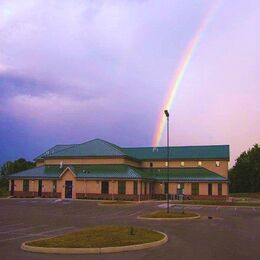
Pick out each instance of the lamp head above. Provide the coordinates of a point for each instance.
(166, 113)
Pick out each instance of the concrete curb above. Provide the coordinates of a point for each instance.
(117, 205)
(103, 250)
(185, 218)
(214, 206)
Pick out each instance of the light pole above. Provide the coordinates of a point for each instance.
(168, 159)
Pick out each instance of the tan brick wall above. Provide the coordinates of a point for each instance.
(224, 189)
(158, 188)
(187, 188)
(18, 185)
(113, 187)
(215, 189)
(47, 186)
(129, 187)
(203, 189)
(68, 161)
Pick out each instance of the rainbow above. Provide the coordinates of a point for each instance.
(180, 71)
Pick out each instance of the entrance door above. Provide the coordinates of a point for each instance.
(104, 187)
(39, 188)
(68, 189)
(12, 187)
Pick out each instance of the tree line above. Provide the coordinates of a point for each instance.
(12, 167)
(245, 174)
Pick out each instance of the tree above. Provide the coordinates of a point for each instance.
(12, 167)
(245, 175)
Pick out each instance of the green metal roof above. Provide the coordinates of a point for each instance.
(54, 149)
(42, 172)
(182, 174)
(120, 172)
(98, 147)
(180, 152)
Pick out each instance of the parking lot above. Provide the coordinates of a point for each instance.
(229, 233)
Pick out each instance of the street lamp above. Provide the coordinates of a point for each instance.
(168, 159)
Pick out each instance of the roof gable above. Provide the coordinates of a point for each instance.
(96, 147)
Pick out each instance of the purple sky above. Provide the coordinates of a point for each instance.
(71, 71)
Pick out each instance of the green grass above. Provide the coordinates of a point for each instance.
(253, 195)
(218, 202)
(117, 202)
(173, 214)
(101, 236)
(4, 192)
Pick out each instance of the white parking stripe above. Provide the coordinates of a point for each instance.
(54, 230)
(20, 229)
(12, 225)
(35, 234)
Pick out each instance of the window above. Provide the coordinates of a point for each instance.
(166, 187)
(219, 188)
(25, 185)
(151, 164)
(180, 188)
(210, 189)
(199, 163)
(182, 164)
(135, 187)
(104, 187)
(195, 189)
(217, 163)
(54, 186)
(121, 187)
(145, 188)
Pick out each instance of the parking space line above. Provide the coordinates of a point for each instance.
(35, 234)
(20, 229)
(54, 230)
(12, 225)
(135, 213)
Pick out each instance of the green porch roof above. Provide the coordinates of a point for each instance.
(99, 172)
(182, 174)
(101, 148)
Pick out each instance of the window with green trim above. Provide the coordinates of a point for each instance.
(121, 187)
(195, 189)
(25, 185)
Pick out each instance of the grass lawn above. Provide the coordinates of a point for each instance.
(4, 193)
(173, 214)
(101, 236)
(218, 202)
(117, 202)
(253, 195)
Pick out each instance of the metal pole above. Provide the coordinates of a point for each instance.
(168, 161)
